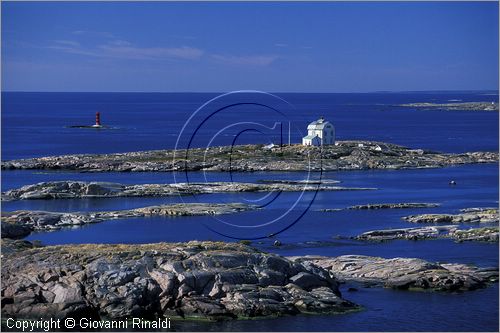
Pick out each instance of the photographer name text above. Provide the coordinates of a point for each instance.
(85, 323)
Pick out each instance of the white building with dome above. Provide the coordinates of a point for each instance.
(319, 133)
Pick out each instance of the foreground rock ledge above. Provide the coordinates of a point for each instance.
(196, 279)
(404, 273)
(346, 155)
(78, 189)
(21, 223)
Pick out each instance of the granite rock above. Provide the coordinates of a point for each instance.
(404, 273)
(196, 279)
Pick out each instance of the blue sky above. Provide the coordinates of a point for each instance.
(278, 47)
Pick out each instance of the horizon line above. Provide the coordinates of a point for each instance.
(273, 92)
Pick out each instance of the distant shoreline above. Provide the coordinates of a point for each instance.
(486, 91)
(462, 106)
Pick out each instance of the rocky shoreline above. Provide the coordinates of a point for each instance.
(462, 106)
(209, 280)
(78, 189)
(486, 234)
(404, 273)
(468, 215)
(21, 223)
(345, 155)
(402, 205)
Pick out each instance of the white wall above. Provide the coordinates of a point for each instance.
(327, 135)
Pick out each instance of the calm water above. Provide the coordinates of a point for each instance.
(34, 125)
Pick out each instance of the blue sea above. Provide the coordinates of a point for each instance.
(37, 124)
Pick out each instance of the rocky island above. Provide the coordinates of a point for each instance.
(461, 106)
(21, 223)
(79, 189)
(344, 155)
(468, 215)
(486, 215)
(486, 234)
(372, 206)
(403, 205)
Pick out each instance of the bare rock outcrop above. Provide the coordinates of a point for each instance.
(196, 279)
(486, 234)
(79, 189)
(19, 224)
(468, 215)
(400, 205)
(404, 273)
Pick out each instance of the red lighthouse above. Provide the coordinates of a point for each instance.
(97, 120)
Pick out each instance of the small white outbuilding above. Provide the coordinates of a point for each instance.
(319, 133)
